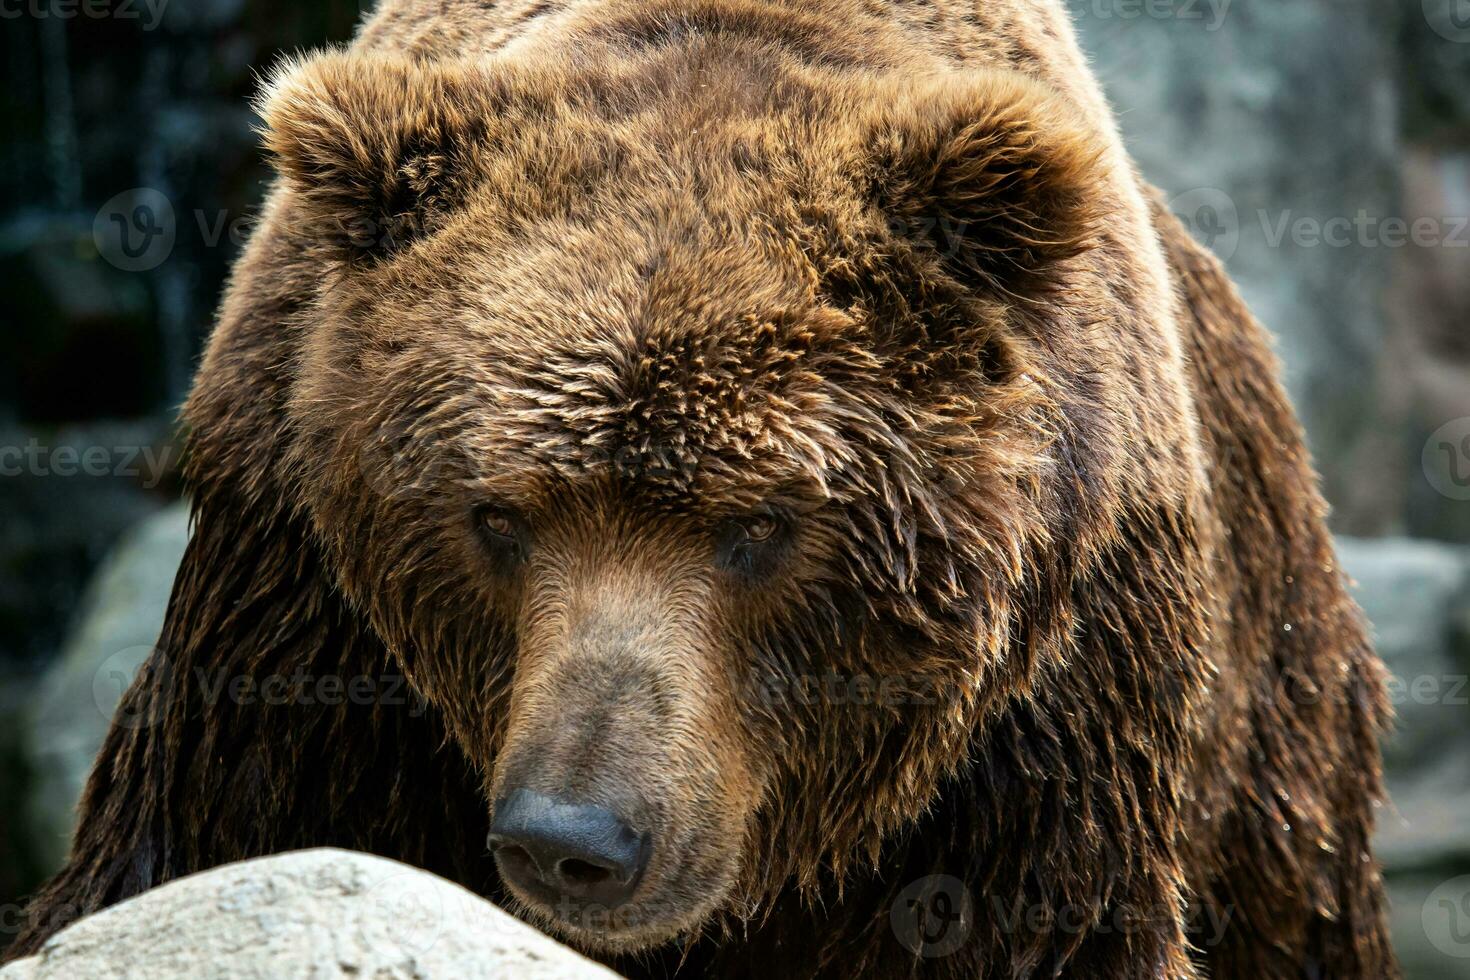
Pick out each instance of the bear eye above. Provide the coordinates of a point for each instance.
(498, 522)
(502, 531)
(759, 527)
(751, 546)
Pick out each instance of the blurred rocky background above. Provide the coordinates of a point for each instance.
(1321, 146)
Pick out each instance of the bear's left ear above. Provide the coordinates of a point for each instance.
(380, 147)
(997, 172)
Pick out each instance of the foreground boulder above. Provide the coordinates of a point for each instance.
(319, 913)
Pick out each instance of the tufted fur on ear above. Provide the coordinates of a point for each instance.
(994, 170)
(380, 147)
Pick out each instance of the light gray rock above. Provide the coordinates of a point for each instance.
(1417, 595)
(116, 628)
(318, 914)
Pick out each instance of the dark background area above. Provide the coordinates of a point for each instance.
(93, 105)
(129, 174)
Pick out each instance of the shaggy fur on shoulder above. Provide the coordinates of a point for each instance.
(795, 428)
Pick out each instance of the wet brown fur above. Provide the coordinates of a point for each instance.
(631, 269)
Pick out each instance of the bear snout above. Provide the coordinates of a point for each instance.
(557, 849)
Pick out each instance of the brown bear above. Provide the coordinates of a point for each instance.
(831, 519)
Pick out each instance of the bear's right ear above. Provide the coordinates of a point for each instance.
(380, 147)
(997, 172)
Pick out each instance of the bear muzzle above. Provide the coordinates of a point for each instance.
(556, 850)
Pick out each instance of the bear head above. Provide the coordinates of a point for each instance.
(697, 447)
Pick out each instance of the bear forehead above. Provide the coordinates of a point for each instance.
(728, 409)
(688, 356)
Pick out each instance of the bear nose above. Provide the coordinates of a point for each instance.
(572, 849)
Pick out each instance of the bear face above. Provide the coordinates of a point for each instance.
(698, 467)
